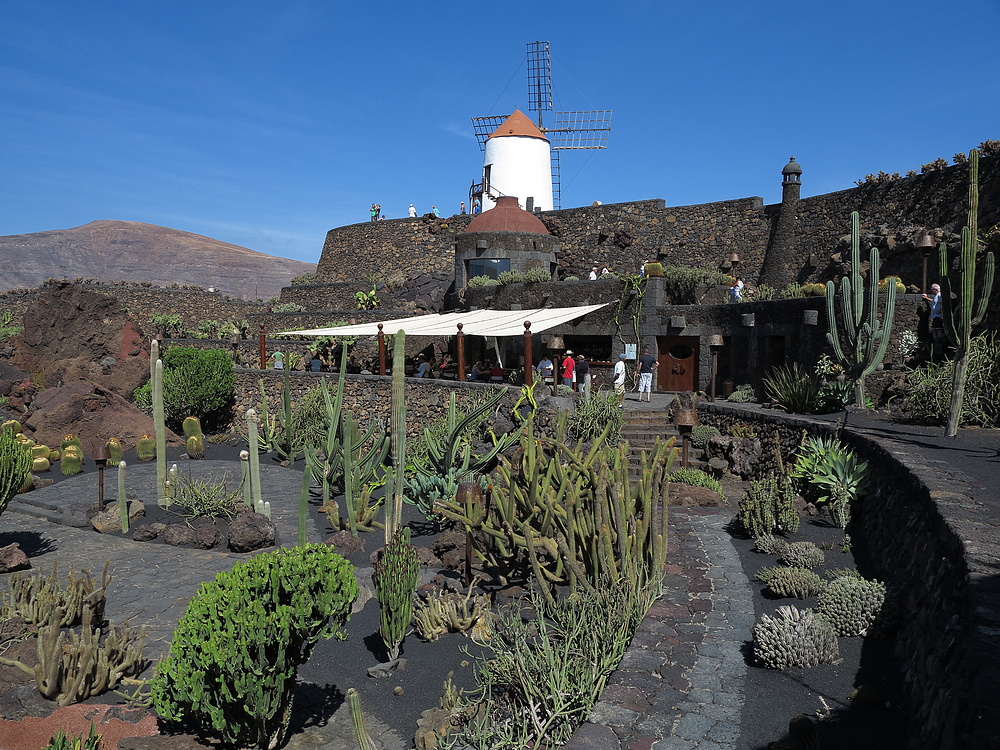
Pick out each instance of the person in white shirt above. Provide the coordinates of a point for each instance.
(618, 380)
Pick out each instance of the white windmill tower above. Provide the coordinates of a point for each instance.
(522, 157)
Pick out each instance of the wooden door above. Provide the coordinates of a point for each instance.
(678, 357)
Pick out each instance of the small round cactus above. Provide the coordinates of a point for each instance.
(851, 604)
(794, 638)
(770, 544)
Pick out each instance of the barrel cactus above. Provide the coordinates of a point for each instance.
(795, 582)
(851, 604)
(145, 448)
(116, 454)
(802, 555)
(794, 638)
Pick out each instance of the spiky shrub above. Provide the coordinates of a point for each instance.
(395, 579)
(794, 638)
(802, 555)
(701, 434)
(235, 653)
(698, 478)
(795, 582)
(927, 390)
(549, 661)
(851, 604)
(15, 464)
(62, 741)
(793, 388)
(769, 544)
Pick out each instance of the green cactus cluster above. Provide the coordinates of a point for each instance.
(443, 612)
(568, 513)
(34, 598)
(802, 555)
(799, 583)
(395, 579)
(769, 544)
(275, 606)
(15, 467)
(794, 638)
(768, 506)
(851, 604)
(860, 339)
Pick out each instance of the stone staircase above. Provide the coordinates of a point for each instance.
(641, 429)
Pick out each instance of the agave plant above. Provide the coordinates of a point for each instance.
(794, 388)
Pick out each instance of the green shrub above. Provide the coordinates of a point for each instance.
(927, 392)
(476, 281)
(793, 388)
(572, 278)
(537, 275)
(698, 478)
(827, 472)
(306, 278)
(7, 327)
(683, 284)
(236, 651)
(61, 741)
(744, 394)
(197, 383)
(701, 434)
(510, 277)
(592, 416)
(287, 307)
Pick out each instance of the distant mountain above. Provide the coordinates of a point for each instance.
(130, 251)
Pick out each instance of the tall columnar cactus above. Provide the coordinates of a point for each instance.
(860, 345)
(397, 425)
(160, 431)
(395, 579)
(245, 476)
(122, 500)
(258, 499)
(15, 467)
(961, 315)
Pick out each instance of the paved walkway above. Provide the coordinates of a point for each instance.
(681, 684)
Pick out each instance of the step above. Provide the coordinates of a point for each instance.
(36, 511)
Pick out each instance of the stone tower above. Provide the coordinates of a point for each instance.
(781, 265)
(518, 162)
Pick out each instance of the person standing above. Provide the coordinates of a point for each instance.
(647, 366)
(412, 211)
(545, 369)
(434, 210)
(568, 369)
(618, 380)
(583, 376)
(463, 208)
(593, 273)
(476, 207)
(373, 213)
(279, 360)
(736, 290)
(937, 319)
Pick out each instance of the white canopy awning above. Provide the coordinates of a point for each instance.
(474, 323)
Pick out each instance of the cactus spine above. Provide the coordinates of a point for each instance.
(396, 478)
(860, 346)
(962, 315)
(160, 430)
(122, 501)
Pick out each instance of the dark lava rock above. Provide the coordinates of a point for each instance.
(12, 558)
(251, 531)
(178, 535)
(207, 537)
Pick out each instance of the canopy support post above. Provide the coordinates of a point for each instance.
(527, 353)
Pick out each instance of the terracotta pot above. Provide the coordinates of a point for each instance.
(686, 417)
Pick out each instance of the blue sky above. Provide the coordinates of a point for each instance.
(265, 124)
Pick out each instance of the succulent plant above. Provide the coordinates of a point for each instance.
(770, 544)
(70, 439)
(72, 461)
(195, 447)
(794, 638)
(115, 451)
(851, 604)
(795, 582)
(145, 448)
(802, 555)
(40, 464)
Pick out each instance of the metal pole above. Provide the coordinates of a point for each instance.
(715, 370)
(461, 354)
(381, 351)
(527, 353)
(263, 348)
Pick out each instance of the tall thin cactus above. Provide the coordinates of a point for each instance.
(397, 476)
(966, 312)
(159, 430)
(860, 345)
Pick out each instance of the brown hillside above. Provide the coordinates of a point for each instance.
(130, 251)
